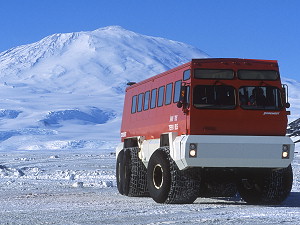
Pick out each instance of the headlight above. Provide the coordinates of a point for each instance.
(285, 151)
(193, 150)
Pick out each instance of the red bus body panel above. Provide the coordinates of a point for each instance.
(169, 118)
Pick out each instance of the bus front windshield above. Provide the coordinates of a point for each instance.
(258, 97)
(214, 97)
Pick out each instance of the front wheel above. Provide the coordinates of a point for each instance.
(265, 186)
(159, 177)
(168, 184)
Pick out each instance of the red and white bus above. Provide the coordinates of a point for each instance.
(210, 127)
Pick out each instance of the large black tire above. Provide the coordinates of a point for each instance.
(138, 183)
(168, 184)
(265, 186)
(127, 172)
(120, 172)
(135, 174)
(159, 176)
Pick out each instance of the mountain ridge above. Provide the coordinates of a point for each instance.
(105, 51)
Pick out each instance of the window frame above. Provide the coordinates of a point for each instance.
(161, 96)
(169, 98)
(153, 100)
(140, 102)
(185, 76)
(147, 103)
(174, 91)
(277, 74)
(251, 107)
(212, 78)
(134, 104)
(216, 107)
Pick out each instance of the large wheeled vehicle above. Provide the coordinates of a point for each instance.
(208, 128)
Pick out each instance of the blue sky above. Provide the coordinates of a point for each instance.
(260, 29)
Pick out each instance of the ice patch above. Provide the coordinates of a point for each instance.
(4, 135)
(94, 116)
(78, 185)
(9, 114)
(71, 144)
(10, 172)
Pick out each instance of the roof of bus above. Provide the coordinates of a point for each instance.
(207, 60)
(235, 60)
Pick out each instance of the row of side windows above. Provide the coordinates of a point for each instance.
(157, 97)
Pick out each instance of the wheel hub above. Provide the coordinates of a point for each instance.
(158, 176)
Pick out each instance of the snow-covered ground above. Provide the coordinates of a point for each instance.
(77, 186)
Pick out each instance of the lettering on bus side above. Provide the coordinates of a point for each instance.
(173, 127)
(271, 113)
(173, 118)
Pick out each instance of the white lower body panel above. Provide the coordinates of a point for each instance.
(232, 151)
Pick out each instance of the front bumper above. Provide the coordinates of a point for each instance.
(232, 151)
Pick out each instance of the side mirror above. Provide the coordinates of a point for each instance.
(184, 98)
(286, 95)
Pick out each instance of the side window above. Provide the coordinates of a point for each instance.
(153, 98)
(133, 104)
(169, 93)
(177, 91)
(188, 94)
(216, 74)
(146, 100)
(140, 102)
(186, 74)
(160, 99)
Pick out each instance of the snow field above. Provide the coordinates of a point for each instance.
(77, 186)
(67, 167)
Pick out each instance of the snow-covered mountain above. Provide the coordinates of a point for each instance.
(91, 61)
(67, 89)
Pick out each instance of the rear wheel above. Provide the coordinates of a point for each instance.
(120, 172)
(135, 174)
(265, 186)
(127, 171)
(168, 184)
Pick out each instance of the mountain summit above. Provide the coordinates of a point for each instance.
(66, 90)
(91, 61)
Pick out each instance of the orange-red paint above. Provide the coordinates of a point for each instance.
(169, 118)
